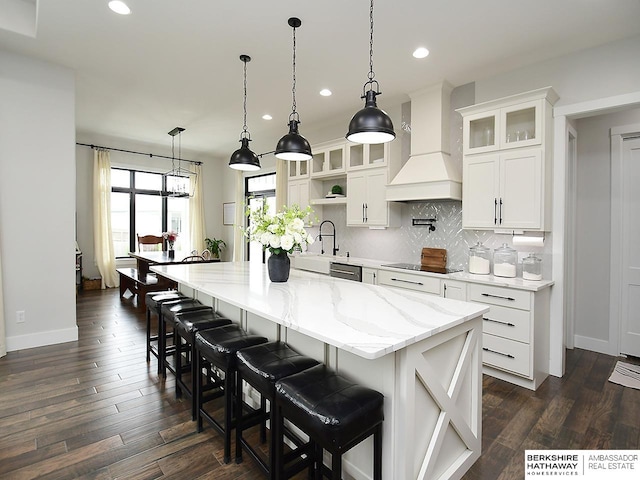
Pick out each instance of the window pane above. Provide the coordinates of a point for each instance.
(120, 223)
(148, 181)
(120, 178)
(178, 221)
(148, 215)
(262, 182)
(255, 248)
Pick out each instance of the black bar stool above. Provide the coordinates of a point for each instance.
(154, 301)
(218, 346)
(261, 367)
(336, 413)
(168, 312)
(187, 324)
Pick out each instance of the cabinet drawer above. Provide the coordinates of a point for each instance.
(507, 323)
(506, 354)
(421, 283)
(505, 297)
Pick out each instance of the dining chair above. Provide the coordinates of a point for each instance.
(193, 258)
(149, 243)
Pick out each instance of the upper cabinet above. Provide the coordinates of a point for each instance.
(298, 169)
(508, 148)
(367, 156)
(329, 160)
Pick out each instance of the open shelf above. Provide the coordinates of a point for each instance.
(329, 201)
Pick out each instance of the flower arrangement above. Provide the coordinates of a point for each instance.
(170, 237)
(282, 232)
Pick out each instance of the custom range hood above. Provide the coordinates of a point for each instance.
(430, 173)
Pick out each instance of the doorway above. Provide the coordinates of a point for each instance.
(625, 237)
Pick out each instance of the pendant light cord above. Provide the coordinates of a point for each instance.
(371, 72)
(245, 133)
(294, 113)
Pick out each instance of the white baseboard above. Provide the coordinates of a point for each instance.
(41, 339)
(593, 344)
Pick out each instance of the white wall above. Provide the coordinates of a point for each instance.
(37, 201)
(212, 184)
(593, 230)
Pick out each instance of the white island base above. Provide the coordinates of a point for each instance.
(422, 353)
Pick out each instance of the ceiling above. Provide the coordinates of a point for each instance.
(175, 63)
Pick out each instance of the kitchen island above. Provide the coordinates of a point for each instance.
(423, 353)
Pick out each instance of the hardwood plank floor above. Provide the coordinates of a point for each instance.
(94, 409)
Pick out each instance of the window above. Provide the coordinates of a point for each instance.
(140, 205)
(258, 189)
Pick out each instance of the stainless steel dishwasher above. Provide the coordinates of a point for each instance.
(346, 271)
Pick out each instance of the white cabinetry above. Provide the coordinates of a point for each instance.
(298, 169)
(328, 159)
(411, 281)
(515, 339)
(369, 275)
(367, 156)
(506, 180)
(366, 203)
(453, 289)
(300, 192)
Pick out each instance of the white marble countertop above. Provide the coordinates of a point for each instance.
(367, 320)
(517, 282)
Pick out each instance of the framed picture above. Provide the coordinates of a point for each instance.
(228, 213)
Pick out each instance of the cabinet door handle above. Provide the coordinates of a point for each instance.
(498, 296)
(499, 353)
(495, 211)
(366, 212)
(363, 213)
(500, 211)
(508, 324)
(406, 281)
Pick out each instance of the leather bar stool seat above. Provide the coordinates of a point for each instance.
(335, 412)
(219, 346)
(261, 367)
(186, 325)
(153, 301)
(168, 312)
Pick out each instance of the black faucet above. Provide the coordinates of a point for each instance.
(335, 250)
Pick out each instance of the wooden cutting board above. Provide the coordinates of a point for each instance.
(434, 257)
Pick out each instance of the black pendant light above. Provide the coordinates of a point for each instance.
(244, 158)
(293, 146)
(371, 125)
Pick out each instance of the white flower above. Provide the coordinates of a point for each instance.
(286, 242)
(283, 232)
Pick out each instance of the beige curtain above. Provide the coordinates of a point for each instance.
(281, 184)
(238, 237)
(3, 340)
(197, 228)
(102, 236)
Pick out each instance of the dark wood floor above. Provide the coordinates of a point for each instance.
(94, 409)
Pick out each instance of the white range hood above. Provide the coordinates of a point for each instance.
(429, 174)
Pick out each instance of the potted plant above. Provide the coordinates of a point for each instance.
(215, 246)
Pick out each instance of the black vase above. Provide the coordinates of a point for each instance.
(172, 253)
(278, 266)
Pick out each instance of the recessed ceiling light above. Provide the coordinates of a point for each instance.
(266, 116)
(325, 92)
(119, 7)
(421, 52)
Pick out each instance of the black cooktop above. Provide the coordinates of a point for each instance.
(420, 268)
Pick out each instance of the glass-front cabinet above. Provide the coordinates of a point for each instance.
(367, 156)
(507, 162)
(512, 126)
(298, 169)
(328, 160)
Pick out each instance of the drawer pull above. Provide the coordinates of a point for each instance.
(406, 281)
(499, 353)
(508, 324)
(498, 296)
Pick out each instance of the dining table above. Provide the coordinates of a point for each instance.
(144, 260)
